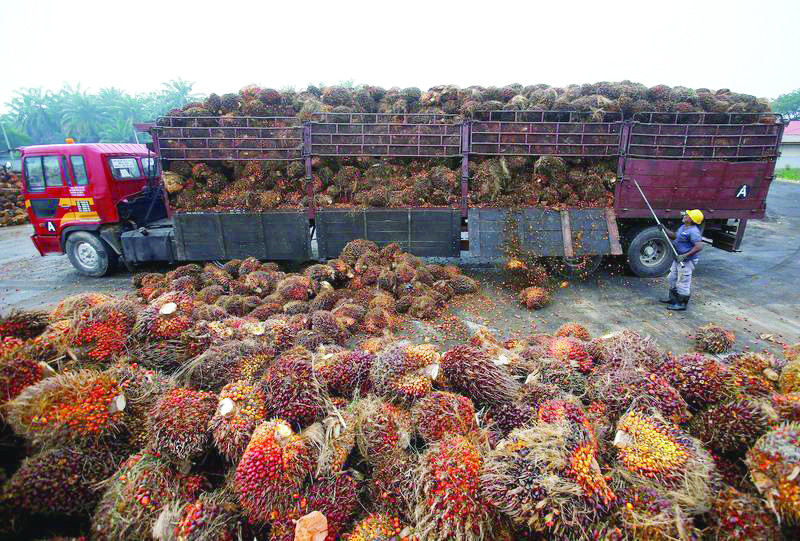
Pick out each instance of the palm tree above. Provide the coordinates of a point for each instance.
(177, 93)
(32, 111)
(120, 104)
(81, 113)
(120, 130)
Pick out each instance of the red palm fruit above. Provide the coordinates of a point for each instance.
(450, 501)
(346, 373)
(24, 325)
(391, 487)
(405, 274)
(790, 377)
(506, 416)
(701, 380)
(472, 372)
(442, 412)
(739, 516)
(382, 428)
(294, 288)
(142, 388)
(263, 311)
(212, 516)
(535, 297)
(732, 426)
(378, 527)
(571, 352)
(326, 324)
(165, 318)
(240, 410)
(355, 249)
(712, 338)
(69, 306)
(18, 371)
(135, 496)
(83, 405)
(575, 330)
(753, 374)
(178, 423)
(774, 463)
(404, 372)
(463, 285)
(270, 474)
(60, 481)
(291, 389)
(100, 333)
(787, 406)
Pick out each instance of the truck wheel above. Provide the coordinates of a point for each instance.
(649, 255)
(580, 267)
(88, 254)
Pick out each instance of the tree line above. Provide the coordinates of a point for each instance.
(37, 116)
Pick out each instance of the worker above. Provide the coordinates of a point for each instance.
(688, 242)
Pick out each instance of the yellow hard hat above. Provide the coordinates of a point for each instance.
(696, 215)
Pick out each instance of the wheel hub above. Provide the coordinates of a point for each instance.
(87, 255)
(653, 252)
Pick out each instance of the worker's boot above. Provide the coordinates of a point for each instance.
(680, 303)
(673, 296)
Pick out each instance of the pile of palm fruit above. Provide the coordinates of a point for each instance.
(12, 204)
(174, 415)
(509, 181)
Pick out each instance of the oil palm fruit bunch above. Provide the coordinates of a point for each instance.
(74, 304)
(575, 330)
(774, 464)
(712, 338)
(178, 424)
(60, 481)
(24, 325)
(790, 377)
(141, 388)
(463, 284)
(740, 516)
(753, 374)
(166, 317)
(535, 297)
(346, 373)
(84, 406)
(626, 347)
(100, 333)
(572, 352)
(135, 496)
(404, 372)
(270, 474)
(335, 437)
(292, 391)
(473, 373)
(379, 527)
(648, 512)
(240, 410)
(382, 428)
(442, 412)
(701, 380)
(18, 371)
(218, 365)
(450, 498)
(732, 426)
(391, 488)
(212, 516)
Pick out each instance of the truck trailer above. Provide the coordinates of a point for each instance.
(106, 203)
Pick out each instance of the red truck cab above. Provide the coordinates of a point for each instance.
(77, 197)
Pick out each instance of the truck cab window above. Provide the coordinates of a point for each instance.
(79, 170)
(124, 168)
(34, 174)
(149, 167)
(52, 171)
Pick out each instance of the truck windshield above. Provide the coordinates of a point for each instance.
(42, 171)
(124, 168)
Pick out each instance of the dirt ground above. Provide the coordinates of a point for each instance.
(755, 293)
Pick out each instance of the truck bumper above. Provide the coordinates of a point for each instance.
(47, 244)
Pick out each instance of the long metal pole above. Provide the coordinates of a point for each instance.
(661, 227)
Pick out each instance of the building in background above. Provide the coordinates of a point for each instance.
(790, 148)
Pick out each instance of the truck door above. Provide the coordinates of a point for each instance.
(48, 199)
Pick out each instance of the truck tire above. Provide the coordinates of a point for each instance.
(88, 254)
(649, 255)
(580, 267)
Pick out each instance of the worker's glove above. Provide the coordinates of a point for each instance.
(680, 258)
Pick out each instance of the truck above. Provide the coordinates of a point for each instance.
(103, 204)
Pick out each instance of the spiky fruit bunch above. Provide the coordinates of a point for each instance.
(345, 373)
(165, 318)
(774, 463)
(291, 389)
(731, 427)
(335, 496)
(441, 413)
(402, 372)
(463, 285)
(423, 307)
(534, 297)
(18, 371)
(239, 411)
(752, 374)
(327, 325)
(620, 387)
(575, 330)
(60, 481)
(450, 500)
(79, 406)
(701, 380)
(626, 347)
(791, 352)
(178, 423)
(503, 417)
(100, 333)
(23, 325)
(790, 377)
(135, 495)
(739, 516)
(647, 512)
(294, 287)
(787, 406)
(74, 304)
(270, 474)
(572, 352)
(712, 338)
(218, 365)
(355, 249)
(211, 517)
(382, 429)
(472, 372)
(379, 527)
(142, 388)
(337, 438)
(391, 488)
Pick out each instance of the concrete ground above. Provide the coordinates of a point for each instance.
(755, 293)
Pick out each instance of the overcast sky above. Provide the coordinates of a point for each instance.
(746, 46)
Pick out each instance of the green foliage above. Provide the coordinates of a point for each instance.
(38, 116)
(788, 173)
(788, 104)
